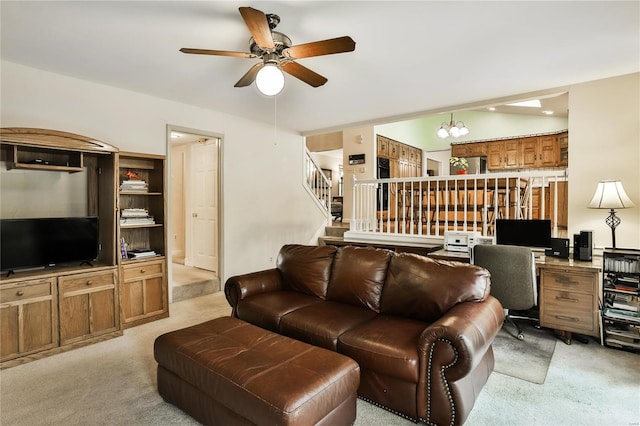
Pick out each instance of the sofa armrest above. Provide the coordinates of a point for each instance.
(241, 286)
(469, 328)
(451, 349)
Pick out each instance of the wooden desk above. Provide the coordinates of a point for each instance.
(569, 293)
(570, 296)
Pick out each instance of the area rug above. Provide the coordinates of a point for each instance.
(526, 359)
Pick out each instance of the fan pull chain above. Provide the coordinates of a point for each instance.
(275, 120)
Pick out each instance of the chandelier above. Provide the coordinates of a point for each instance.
(454, 129)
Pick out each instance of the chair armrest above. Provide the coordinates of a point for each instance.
(241, 286)
(469, 328)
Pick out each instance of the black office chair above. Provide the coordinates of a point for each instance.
(513, 278)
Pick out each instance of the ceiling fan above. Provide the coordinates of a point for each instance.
(275, 49)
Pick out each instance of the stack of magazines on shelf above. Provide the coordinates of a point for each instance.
(133, 217)
(623, 314)
(140, 253)
(624, 284)
(133, 185)
(623, 335)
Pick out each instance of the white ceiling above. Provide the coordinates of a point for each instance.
(411, 58)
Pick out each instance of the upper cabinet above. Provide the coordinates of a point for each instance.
(519, 153)
(404, 160)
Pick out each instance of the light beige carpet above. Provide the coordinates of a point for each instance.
(113, 383)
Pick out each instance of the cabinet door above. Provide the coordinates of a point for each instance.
(477, 149)
(144, 292)
(394, 150)
(495, 153)
(529, 149)
(28, 318)
(459, 150)
(549, 151)
(563, 149)
(383, 147)
(88, 305)
(512, 154)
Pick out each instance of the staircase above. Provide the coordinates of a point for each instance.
(334, 232)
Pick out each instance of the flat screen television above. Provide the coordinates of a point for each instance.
(524, 232)
(41, 242)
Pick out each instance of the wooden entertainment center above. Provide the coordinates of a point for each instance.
(53, 309)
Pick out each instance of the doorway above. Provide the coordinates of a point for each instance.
(195, 194)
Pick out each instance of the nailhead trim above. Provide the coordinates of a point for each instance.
(377, 404)
(444, 379)
(449, 395)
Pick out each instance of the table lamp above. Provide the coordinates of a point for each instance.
(610, 195)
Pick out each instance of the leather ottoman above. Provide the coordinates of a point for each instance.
(227, 371)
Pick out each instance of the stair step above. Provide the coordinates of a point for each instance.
(195, 289)
(335, 231)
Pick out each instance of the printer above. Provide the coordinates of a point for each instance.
(463, 241)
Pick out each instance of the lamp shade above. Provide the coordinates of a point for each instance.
(270, 80)
(610, 195)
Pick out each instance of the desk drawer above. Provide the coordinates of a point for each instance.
(566, 310)
(567, 280)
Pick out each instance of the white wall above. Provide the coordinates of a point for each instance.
(357, 140)
(264, 202)
(604, 143)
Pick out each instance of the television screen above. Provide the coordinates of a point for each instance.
(520, 232)
(31, 243)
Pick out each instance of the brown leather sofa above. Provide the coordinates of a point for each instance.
(420, 329)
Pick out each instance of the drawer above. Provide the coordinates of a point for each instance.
(86, 281)
(569, 280)
(142, 270)
(567, 310)
(25, 292)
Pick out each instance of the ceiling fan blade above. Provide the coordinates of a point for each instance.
(250, 75)
(217, 52)
(258, 26)
(303, 73)
(319, 48)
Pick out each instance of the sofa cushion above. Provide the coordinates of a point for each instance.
(378, 345)
(424, 289)
(306, 268)
(267, 309)
(322, 323)
(358, 275)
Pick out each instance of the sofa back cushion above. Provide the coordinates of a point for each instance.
(306, 268)
(424, 289)
(358, 275)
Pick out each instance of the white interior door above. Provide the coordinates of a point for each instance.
(205, 204)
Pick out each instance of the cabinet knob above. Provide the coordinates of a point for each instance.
(89, 282)
(142, 271)
(20, 293)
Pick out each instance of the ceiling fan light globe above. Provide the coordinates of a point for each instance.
(443, 133)
(463, 130)
(454, 131)
(270, 80)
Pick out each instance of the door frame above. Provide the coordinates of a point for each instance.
(174, 128)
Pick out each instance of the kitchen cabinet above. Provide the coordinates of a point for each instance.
(529, 152)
